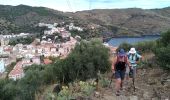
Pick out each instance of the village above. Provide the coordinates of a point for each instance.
(39, 51)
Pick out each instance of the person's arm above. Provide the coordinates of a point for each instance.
(140, 58)
(113, 64)
(127, 62)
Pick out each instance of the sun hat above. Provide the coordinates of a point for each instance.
(121, 52)
(132, 50)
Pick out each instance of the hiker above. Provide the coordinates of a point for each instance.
(133, 58)
(118, 69)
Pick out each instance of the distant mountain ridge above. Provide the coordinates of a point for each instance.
(130, 21)
(106, 22)
(24, 18)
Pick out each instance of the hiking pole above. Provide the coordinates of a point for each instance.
(133, 79)
(111, 79)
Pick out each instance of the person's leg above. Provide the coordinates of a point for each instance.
(134, 76)
(134, 72)
(122, 75)
(118, 82)
(127, 73)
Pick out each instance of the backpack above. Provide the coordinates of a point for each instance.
(137, 58)
(121, 65)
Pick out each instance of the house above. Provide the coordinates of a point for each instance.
(65, 34)
(26, 60)
(19, 47)
(36, 60)
(4, 41)
(61, 51)
(23, 34)
(17, 72)
(29, 46)
(53, 49)
(72, 27)
(46, 49)
(47, 54)
(56, 54)
(2, 66)
(43, 42)
(47, 61)
(28, 55)
(39, 50)
(41, 24)
(1, 50)
(7, 50)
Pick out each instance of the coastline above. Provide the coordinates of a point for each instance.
(141, 36)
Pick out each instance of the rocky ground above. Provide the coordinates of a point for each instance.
(150, 84)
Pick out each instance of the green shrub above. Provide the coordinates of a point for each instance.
(104, 82)
(142, 47)
(162, 50)
(84, 62)
(163, 56)
(125, 46)
(76, 89)
(146, 46)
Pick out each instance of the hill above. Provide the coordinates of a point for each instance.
(25, 18)
(105, 22)
(132, 21)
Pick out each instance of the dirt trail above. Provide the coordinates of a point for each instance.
(148, 87)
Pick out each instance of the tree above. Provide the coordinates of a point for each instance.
(84, 62)
(8, 90)
(125, 46)
(162, 50)
(31, 82)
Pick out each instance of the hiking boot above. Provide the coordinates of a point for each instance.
(117, 93)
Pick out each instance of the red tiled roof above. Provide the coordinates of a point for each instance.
(18, 65)
(8, 49)
(47, 61)
(16, 72)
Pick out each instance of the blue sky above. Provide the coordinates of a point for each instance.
(78, 5)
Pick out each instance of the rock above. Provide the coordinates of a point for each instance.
(152, 82)
(133, 98)
(167, 84)
(96, 94)
(146, 95)
(155, 98)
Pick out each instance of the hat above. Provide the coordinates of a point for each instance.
(121, 52)
(132, 50)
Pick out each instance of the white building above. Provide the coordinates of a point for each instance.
(1, 50)
(36, 60)
(2, 66)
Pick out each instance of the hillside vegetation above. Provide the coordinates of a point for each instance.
(100, 22)
(82, 64)
(26, 18)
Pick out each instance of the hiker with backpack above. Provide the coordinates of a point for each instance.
(133, 58)
(119, 68)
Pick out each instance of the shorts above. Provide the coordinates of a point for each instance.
(132, 72)
(120, 74)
